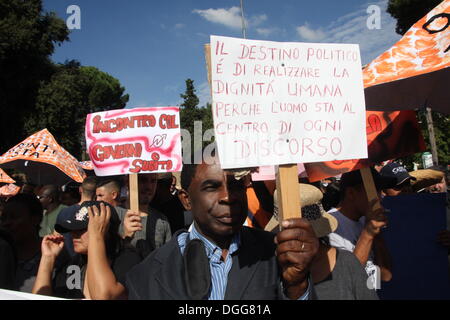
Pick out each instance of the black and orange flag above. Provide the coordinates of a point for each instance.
(415, 72)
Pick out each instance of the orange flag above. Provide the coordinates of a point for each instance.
(390, 135)
(5, 178)
(86, 165)
(42, 147)
(9, 190)
(415, 71)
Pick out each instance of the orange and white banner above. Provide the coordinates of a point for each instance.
(415, 72)
(390, 135)
(424, 48)
(9, 190)
(5, 178)
(86, 165)
(42, 147)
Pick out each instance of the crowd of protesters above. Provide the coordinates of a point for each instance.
(213, 235)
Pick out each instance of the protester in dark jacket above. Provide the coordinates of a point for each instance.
(219, 258)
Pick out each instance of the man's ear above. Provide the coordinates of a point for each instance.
(115, 195)
(183, 195)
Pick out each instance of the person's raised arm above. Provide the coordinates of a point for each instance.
(101, 280)
(375, 220)
(51, 247)
(382, 258)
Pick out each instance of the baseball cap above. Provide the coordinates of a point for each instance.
(396, 171)
(353, 179)
(76, 217)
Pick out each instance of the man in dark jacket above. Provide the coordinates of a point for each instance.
(219, 258)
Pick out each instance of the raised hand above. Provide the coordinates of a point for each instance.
(131, 224)
(375, 219)
(98, 220)
(52, 245)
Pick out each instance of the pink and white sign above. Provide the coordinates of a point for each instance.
(140, 140)
(279, 102)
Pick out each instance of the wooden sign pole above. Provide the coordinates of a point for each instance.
(134, 192)
(287, 175)
(208, 64)
(369, 186)
(288, 192)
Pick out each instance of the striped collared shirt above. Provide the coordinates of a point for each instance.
(220, 269)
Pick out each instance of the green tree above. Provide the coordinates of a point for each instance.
(208, 122)
(63, 102)
(442, 134)
(408, 12)
(190, 112)
(27, 39)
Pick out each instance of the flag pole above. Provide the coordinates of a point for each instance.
(244, 32)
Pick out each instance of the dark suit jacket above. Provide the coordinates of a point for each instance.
(254, 274)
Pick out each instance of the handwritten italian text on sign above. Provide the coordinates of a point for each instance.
(140, 140)
(278, 103)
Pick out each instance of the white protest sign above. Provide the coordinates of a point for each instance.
(17, 295)
(269, 173)
(279, 103)
(140, 140)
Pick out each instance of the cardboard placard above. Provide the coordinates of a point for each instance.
(269, 173)
(141, 140)
(279, 103)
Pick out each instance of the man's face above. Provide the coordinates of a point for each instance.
(403, 188)
(80, 239)
(105, 194)
(147, 187)
(45, 198)
(439, 187)
(218, 202)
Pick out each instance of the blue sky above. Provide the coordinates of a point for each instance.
(152, 46)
